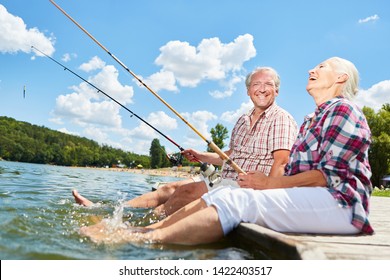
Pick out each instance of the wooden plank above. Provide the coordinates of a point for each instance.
(308, 246)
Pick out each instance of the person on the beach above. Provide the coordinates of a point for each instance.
(325, 190)
(261, 140)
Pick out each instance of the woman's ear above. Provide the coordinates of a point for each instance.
(342, 78)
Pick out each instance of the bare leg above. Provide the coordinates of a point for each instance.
(157, 197)
(200, 227)
(182, 213)
(181, 197)
(193, 224)
(150, 199)
(81, 199)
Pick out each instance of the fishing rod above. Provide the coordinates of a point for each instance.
(113, 99)
(210, 144)
(207, 170)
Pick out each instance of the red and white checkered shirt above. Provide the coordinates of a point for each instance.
(252, 147)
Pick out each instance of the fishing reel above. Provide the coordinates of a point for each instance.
(209, 172)
(175, 159)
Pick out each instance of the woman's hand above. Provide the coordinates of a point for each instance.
(254, 180)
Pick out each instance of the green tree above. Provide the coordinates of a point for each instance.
(218, 134)
(164, 160)
(379, 153)
(21, 141)
(156, 153)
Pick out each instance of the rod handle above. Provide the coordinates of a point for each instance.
(225, 157)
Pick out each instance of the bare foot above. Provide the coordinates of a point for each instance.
(81, 199)
(97, 233)
(104, 233)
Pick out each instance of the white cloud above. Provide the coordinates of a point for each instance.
(64, 130)
(232, 116)
(230, 87)
(141, 147)
(161, 120)
(144, 132)
(86, 106)
(107, 80)
(162, 80)
(68, 56)
(94, 64)
(15, 36)
(210, 60)
(98, 134)
(368, 19)
(56, 120)
(199, 120)
(375, 96)
(82, 111)
(158, 120)
(65, 57)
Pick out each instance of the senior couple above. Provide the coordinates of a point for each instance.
(314, 180)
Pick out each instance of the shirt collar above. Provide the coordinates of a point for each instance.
(267, 112)
(327, 104)
(321, 108)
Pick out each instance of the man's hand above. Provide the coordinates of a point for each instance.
(191, 155)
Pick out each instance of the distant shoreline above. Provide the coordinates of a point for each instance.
(180, 172)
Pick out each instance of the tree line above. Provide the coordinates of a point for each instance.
(379, 152)
(24, 142)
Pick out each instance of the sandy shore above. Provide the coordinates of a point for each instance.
(181, 172)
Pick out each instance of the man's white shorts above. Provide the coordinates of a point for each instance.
(224, 182)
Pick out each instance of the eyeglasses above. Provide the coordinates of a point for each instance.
(258, 85)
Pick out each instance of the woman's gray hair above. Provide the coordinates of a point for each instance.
(343, 66)
(273, 72)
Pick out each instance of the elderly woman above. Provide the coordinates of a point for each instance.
(325, 190)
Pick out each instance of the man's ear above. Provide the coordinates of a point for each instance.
(342, 78)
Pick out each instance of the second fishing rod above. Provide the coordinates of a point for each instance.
(210, 144)
(207, 170)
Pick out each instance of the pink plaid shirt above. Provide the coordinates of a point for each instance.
(252, 147)
(336, 143)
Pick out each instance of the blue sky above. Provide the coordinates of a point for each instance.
(195, 54)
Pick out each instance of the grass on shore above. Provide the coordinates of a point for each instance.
(378, 192)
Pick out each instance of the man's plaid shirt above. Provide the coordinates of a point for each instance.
(252, 147)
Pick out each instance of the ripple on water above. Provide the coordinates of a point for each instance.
(40, 220)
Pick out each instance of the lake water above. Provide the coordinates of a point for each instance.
(40, 221)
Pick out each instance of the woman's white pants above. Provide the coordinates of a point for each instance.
(294, 210)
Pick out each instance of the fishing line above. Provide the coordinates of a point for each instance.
(211, 144)
(207, 170)
(113, 99)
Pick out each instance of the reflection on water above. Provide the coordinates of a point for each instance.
(39, 219)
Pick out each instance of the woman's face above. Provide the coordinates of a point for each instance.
(324, 82)
(321, 77)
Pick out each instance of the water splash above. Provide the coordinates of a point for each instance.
(116, 220)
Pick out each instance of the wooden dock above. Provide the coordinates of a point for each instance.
(276, 245)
